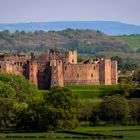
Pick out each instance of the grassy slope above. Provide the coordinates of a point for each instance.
(132, 40)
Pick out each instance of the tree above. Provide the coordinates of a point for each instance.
(94, 117)
(7, 100)
(15, 94)
(130, 66)
(119, 61)
(86, 110)
(22, 86)
(135, 111)
(61, 109)
(28, 114)
(136, 76)
(114, 110)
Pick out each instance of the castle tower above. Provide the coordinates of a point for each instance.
(57, 74)
(105, 72)
(71, 57)
(32, 71)
(114, 75)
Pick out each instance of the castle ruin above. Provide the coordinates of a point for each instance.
(54, 69)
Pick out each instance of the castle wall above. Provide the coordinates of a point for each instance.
(32, 71)
(2, 66)
(11, 67)
(114, 75)
(13, 64)
(81, 74)
(105, 72)
(57, 74)
(53, 69)
(44, 75)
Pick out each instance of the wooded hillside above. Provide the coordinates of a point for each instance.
(86, 42)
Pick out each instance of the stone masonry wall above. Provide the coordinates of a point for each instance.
(57, 74)
(53, 69)
(114, 74)
(81, 74)
(33, 70)
(105, 72)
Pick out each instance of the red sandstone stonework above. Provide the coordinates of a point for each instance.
(54, 69)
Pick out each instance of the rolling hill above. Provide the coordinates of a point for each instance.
(107, 27)
(85, 41)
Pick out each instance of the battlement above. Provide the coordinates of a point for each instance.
(71, 57)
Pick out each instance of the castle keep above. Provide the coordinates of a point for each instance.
(54, 69)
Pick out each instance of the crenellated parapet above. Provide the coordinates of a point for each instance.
(71, 57)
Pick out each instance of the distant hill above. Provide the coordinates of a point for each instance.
(107, 27)
(133, 41)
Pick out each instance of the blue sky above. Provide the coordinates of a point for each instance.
(17, 11)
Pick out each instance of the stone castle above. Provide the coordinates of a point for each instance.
(54, 69)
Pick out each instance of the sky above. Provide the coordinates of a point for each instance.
(18, 11)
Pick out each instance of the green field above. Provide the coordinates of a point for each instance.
(94, 91)
(107, 128)
(91, 91)
(127, 132)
